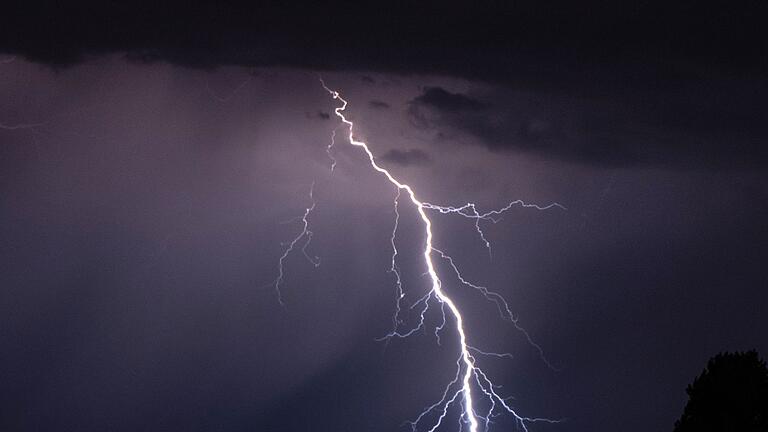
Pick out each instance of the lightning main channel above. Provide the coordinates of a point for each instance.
(467, 371)
(468, 374)
(466, 357)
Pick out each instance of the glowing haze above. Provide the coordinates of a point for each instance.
(147, 199)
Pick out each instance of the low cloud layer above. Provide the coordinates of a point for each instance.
(722, 128)
(445, 101)
(502, 41)
(605, 84)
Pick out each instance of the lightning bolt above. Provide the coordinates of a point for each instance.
(329, 149)
(306, 236)
(469, 377)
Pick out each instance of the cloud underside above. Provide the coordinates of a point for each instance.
(654, 83)
(660, 131)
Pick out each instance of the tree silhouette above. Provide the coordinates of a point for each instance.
(731, 394)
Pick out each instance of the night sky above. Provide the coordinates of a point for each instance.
(154, 159)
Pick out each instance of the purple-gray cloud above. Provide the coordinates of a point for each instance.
(408, 157)
(377, 104)
(724, 128)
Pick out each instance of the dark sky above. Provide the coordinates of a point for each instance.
(154, 156)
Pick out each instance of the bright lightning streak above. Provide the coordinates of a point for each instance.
(501, 304)
(467, 371)
(466, 357)
(494, 216)
(398, 281)
(305, 233)
(329, 149)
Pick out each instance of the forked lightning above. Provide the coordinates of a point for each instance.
(470, 382)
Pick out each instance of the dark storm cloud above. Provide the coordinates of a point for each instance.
(723, 127)
(485, 40)
(409, 157)
(322, 115)
(636, 57)
(377, 104)
(443, 100)
(443, 103)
